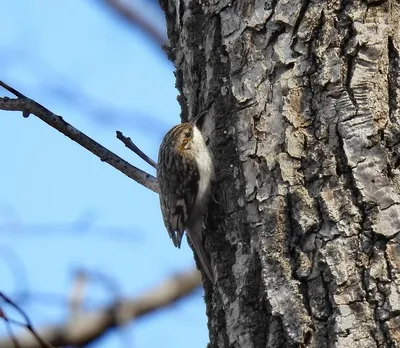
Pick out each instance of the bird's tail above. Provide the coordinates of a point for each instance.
(195, 233)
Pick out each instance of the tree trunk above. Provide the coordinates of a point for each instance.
(303, 122)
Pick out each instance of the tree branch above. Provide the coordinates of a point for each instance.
(28, 106)
(90, 326)
(131, 146)
(27, 324)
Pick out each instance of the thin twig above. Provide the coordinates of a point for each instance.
(9, 329)
(28, 325)
(130, 145)
(12, 90)
(29, 106)
(11, 332)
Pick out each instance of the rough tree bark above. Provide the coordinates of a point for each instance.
(303, 122)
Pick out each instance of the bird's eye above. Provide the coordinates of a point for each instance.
(188, 133)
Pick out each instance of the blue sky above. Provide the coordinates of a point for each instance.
(60, 207)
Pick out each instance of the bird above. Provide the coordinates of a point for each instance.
(184, 174)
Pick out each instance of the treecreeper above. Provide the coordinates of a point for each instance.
(184, 173)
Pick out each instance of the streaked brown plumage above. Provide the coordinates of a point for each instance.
(184, 173)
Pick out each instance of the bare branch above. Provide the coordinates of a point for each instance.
(9, 329)
(89, 326)
(130, 145)
(11, 90)
(29, 106)
(27, 324)
(132, 17)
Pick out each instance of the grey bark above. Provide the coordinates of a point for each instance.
(303, 122)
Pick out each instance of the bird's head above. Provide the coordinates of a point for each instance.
(185, 136)
(185, 139)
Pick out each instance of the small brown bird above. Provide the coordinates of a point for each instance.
(184, 174)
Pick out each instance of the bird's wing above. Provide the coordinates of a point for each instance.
(179, 181)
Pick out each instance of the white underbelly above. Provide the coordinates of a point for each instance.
(205, 171)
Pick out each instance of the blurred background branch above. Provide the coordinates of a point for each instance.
(136, 19)
(88, 326)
